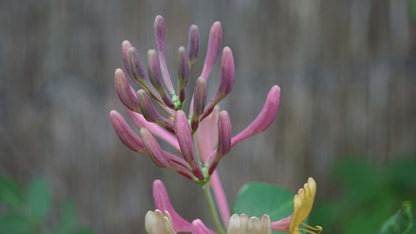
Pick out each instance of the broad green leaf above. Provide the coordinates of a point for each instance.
(10, 192)
(38, 198)
(12, 224)
(256, 199)
(403, 221)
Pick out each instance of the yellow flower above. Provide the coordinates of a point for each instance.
(302, 206)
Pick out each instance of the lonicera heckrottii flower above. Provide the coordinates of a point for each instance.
(201, 138)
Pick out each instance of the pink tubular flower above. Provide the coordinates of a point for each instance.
(125, 133)
(265, 117)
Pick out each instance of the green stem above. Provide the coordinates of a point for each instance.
(212, 209)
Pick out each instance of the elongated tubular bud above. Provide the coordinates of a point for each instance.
(125, 133)
(125, 92)
(125, 46)
(162, 202)
(200, 98)
(214, 46)
(139, 75)
(263, 119)
(183, 73)
(193, 43)
(184, 135)
(226, 82)
(224, 139)
(159, 27)
(149, 111)
(156, 130)
(156, 77)
(153, 149)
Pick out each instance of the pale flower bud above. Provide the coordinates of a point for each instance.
(157, 222)
(253, 225)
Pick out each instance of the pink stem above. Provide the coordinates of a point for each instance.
(220, 198)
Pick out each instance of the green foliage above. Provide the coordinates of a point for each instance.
(369, 195)
(256, 199)
(28, 212)
(412, 8)
(403, 221)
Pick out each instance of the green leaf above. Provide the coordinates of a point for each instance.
(402, 221)
(82, 230)
(11, 224)
(38, 198)
(10, 192)
(67, 217)
(256, 199)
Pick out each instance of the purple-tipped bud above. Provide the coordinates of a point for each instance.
(224, 133)
(193, 43)
(200, 98)
(149, 111)
(264, 118)
(183, 73)
(125, 92)
(226, 82)
(125, 46)
(214, 46)
(184, 135)
(224, 139)
(125, 133)
(153, 149)
(136, 67)
(156, 77)
(159, 27)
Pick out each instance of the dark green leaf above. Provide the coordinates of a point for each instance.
(256, 199)
(10, 192)
(38, 198)
(402, 221)
(11, 224)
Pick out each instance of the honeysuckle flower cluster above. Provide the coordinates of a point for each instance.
(200, 138)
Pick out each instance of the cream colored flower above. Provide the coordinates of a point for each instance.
(302, 206)
(244, 225)
(158, 223)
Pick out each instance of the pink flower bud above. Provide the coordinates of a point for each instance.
(183, 73)
(153, 149)
(156, 130)
(149, 111)
(226, 82)
(159, 27)
(162, 202)
(125, 133)
(156, 77)
(282, 225)
(193, 43)
(214, 46)
(200, 98)
(125, 92)
(264, 118)
(224, 139)
(184, 135)
(125, 46)
(138, 72)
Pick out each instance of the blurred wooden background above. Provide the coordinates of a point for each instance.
(346, 70)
